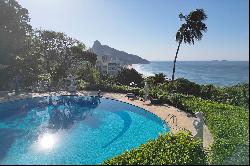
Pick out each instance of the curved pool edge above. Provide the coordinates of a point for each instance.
(114, 96)
(163, 120)
(45, 96)
(183, 120)
(39, 96)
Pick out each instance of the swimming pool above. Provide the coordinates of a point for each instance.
(72, 129)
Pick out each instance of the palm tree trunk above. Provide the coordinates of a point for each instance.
(175, 60)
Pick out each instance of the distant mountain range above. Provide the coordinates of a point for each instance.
(122, 56)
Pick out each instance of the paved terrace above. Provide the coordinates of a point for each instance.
(181, 121)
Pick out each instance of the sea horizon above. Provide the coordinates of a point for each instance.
(219, 73)
(198, 60)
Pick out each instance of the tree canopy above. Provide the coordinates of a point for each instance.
(36, 55)
(14, 29)
(127, 76)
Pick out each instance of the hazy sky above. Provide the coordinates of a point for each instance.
(148, 27)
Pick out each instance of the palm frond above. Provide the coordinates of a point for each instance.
(193, 28)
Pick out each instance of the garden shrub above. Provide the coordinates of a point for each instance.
(236, 95)
(167, 149)
(185, 86)
(228, 124)
(127, 76)
(207, 91)
(159, 78)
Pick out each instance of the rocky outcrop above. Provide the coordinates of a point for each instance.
(122, 56)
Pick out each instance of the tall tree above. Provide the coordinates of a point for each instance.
(61, 55)
(54, 50)
(14, 27)
(192, 29)
(14, 39)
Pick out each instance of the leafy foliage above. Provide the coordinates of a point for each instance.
(127, 76)
(237, 95)
(184, 86)
(14, 39)
(14, 28)
(228, 124)
(38, 57)
(193, 27)
(168, 149)
(226, 112)
(158, 78)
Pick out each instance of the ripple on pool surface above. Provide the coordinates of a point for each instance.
(72, 130)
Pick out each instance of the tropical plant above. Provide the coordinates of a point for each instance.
(191, 30)
(159, 78)
(128, 76)
(184, 86)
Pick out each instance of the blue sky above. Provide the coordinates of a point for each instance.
(148, 27)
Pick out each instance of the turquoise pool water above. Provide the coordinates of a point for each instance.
(72, 130)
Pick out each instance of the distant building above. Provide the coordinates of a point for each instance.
(106, 65)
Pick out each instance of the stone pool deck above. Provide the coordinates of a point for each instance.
(181, 120)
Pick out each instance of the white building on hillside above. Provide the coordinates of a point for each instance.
(106, 65)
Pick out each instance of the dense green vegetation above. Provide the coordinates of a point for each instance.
(167, 149)
(156, 79)
(129, 77)
(237, 95)
(228, 124)
(37, 59)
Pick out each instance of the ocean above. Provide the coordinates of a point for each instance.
(219, 73)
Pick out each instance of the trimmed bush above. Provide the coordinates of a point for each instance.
(168, 149)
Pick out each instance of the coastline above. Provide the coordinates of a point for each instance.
(137, 68)
(129, 66)
(199, 71)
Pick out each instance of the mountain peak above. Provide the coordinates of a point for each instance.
(124, 57)
(97, 43)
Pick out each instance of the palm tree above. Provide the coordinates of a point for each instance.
(191, 30)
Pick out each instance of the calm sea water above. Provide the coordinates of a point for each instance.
(220, 73)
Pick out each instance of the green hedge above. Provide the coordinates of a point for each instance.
(235, 95)
(169, 149)
(228, 124)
